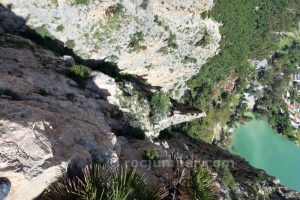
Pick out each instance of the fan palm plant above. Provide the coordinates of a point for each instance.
(99, 183)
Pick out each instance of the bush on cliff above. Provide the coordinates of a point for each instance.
(200, 184)
(79, 73)
(160, 106)
(100, 183)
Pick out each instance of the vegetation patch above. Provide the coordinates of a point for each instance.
(227, 178)
(160, 106)
(70, 44)
(151, 154)
(60, 28)
(144, 4)
(113, 59)
(172, 41)
(54, 2)
(79, 73)
(115, 19)
(135, 42)
(270, 103)
(188, 59)
(200, 185)
(86, 36)
(295, 96)
(164, 50)
(43, 31)
(80, 2)
(97, 182)
(246, 35)
(118, 9)
(158, 21)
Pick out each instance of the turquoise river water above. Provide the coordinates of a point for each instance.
(263, 148)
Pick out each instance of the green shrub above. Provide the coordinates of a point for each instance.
(295, 95)
(160, 105)
(151, 154)
(164, 50)
(114, 21)
(79, 73)
(117, 9)
(157, 20)
(206, 14)
(113, 59)
(99, 183)
(80, 2)
(54, 2)
(246, 35)
(43, 31)
(135, 41)
(200, 185)
(188, 59)
(144, 4)
(60, 28)
(70, 44)
(172, 41)
(86, 36)
(226, 176)
(97, 35)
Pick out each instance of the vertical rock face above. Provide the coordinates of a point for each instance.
(166, 42)
(45, 119)
(130, 100)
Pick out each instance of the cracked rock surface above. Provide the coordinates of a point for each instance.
(45, 119)
(165, 42)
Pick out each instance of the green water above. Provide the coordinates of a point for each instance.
(263, 148)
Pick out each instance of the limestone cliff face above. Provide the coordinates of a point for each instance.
(45, 119)
(165, 42)
(129, 99)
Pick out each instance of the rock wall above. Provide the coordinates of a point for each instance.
(247, 182)
(165, 42)
(130, 100)
(45, 119)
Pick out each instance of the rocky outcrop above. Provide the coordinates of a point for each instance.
(45, 119)
(176, 118)
(48, 120)
(165, 42)
(246, 181)
(130, 100)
